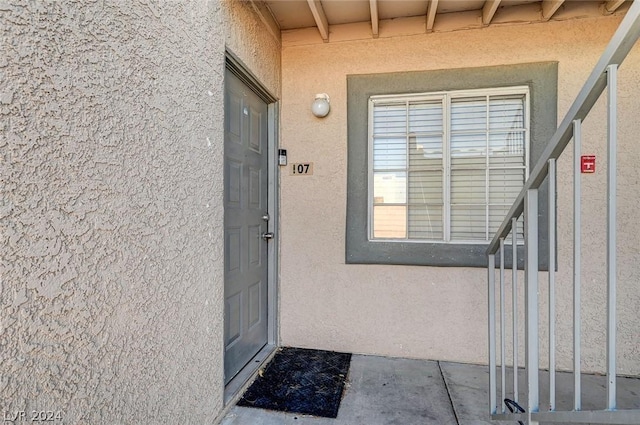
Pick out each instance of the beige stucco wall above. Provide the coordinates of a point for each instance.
(111, 135)
(428, 312)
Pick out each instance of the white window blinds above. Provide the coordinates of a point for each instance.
(446, 166)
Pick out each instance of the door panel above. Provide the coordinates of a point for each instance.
(246, 179)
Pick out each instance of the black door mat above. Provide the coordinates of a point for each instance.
(299, 380)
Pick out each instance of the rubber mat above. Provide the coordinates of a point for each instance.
(303, 381)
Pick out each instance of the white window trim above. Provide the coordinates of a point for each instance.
(445, 97)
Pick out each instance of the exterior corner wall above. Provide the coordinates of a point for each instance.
(111, 169)
(436, 312)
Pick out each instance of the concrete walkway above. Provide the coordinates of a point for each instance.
(391, 391)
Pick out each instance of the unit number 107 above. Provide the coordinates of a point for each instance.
(303, 168)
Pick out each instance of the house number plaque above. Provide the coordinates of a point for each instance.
(301, 169)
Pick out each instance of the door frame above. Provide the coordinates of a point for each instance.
(234, 65)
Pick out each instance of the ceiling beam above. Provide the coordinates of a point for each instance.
(375, 22)
(489, 9)
(431, 14)
(320, 18)
(549, 8)
(611, 6)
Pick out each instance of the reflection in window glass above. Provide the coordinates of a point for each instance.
(389, 222)
(390, 188)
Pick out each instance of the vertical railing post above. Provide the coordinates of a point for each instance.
(612, 82)
(577, 267)
(552, 284)
(514, 300)
(492, 332)
(503, 338)
(531, 301)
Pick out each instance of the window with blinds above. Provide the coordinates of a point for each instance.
(446, 167)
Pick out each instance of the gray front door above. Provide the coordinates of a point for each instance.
(245, 223)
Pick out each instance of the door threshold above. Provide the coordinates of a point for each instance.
(241, 381)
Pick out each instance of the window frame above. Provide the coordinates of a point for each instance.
(445, 98)
(542, 79)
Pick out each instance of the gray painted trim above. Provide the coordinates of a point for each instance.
(542, 79)
(240, 70)
(274, 224)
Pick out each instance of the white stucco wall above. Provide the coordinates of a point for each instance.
(428, 312)
(111, 136)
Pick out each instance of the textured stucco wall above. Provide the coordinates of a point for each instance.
(111, 135)
(430, 312)
(252, 43)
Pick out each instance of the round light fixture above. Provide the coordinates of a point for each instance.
(320, 107)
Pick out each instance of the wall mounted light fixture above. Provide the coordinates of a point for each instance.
(320, 107)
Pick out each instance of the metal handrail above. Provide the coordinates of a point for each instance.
(604, 75)
(621, 43)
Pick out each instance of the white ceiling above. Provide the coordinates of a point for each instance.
(322, 14)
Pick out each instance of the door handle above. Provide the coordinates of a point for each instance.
(267, 236)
